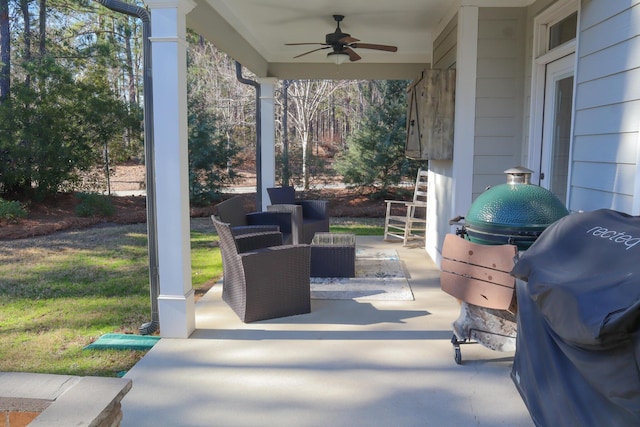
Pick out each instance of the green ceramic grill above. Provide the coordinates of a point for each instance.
(515, 213)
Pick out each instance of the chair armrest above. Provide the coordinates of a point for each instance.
(282, 262)
(252, 242)
(252, 229)
(281, 219)
(314, 209)
(296, 219)
(399, 202)
(416, 204)
(294, 210)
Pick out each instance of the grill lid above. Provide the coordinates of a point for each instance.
(516, 208)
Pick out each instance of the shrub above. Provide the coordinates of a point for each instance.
(55, 128)
(212, 155)
(94, 204)
(11, 210)
(376, 151)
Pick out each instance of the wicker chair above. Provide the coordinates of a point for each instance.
(309, 216)
(262, 278)
(232, 212)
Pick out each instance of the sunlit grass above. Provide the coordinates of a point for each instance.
(358, 226)
(59, 293)
(358, 230)
(206, 262)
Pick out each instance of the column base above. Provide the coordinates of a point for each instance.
(177, 315)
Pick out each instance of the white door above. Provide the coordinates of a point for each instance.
(556, 126)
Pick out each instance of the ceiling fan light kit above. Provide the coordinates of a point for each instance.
(338, 57)
(343, 45)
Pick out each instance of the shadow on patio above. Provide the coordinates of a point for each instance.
(347, 363)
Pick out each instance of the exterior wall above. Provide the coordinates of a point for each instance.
(499, 97)
(607, 108)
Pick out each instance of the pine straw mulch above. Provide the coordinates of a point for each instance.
(58, 214)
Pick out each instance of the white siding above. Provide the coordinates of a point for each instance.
(605, 147)
(495, 89)
(593, 12)
(618, 58)
(614, 177)
(604, 119)
(444, 46)
(493, 145)
(589, 200)
(614, 89)
(598, 35)
(499, 102)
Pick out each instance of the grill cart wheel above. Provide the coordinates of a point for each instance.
(457, 354)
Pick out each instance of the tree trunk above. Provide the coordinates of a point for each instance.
(26, 16)
(43, 28)
(129, 66)
(133, 99)
(5, 51)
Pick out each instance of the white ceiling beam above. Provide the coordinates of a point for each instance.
(209, 24)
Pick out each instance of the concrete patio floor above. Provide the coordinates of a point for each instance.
(347, 363)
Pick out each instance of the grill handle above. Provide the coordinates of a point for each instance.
(459, 220)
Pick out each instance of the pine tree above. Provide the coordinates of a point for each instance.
(375, 152)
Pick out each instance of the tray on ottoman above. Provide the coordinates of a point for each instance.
(333, 255)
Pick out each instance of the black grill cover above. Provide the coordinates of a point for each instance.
(578, 345)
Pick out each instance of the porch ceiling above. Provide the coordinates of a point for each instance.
(254, 33)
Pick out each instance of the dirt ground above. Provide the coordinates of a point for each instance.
(59, 214)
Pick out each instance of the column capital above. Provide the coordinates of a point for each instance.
(183, 5)
(267, 80)
(267, 87)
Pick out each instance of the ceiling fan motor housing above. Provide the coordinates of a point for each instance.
(337, 35)
(334, 38)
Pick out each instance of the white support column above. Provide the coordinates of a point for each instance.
(169, 71)
(268, 135)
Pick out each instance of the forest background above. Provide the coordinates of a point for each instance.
(71, 109)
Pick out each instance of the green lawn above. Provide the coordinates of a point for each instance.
(58, 293)
(358, 226)
(359, 230)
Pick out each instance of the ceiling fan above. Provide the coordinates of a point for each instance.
(343, 44)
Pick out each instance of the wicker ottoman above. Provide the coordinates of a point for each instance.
(333, 255)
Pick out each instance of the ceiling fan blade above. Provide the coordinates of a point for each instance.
(374, 46)
(348, 39)
(311, 51)
(353, 56)
(299, 44)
